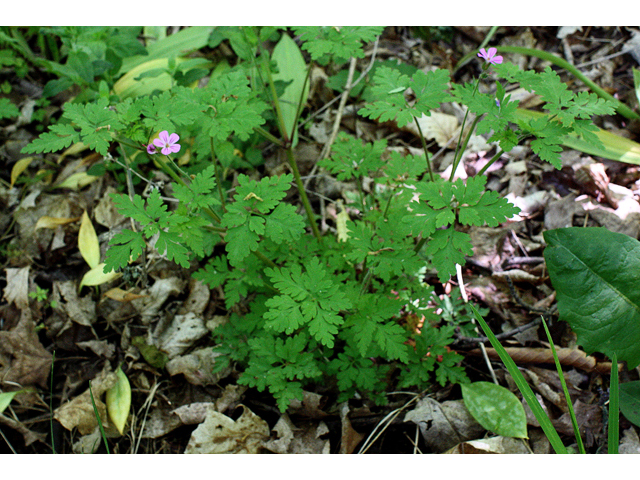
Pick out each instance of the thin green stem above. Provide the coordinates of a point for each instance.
(216, 164)
(303, 193)
(300, 104)
(269, 137)
(614, 405)
(265, 259)
(491, 162)
(276, 106)
(95, 412)
(424, 147)
(460, 149)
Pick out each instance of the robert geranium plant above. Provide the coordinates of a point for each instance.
(305, 307)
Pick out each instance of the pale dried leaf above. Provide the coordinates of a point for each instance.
(503, 445)
(17, 289)
(220, 434)
(54, 222)
(78, 413)
(444, 425)
(197, 367)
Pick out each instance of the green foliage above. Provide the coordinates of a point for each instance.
(350, 311)
(174, 229)
(430, 90)
(496, 409)
(335, 43)
(353, 159)
(8, 109)
(444, 203)
(594, 273)
(311, 299)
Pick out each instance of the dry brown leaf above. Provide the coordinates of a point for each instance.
(79, 411)
(298, 440)
(349, 438)
(122, 296)
(444, 425)
(28, 436)
(197, 367)
(23, 359)
(220, 434)
(503, 445)
(568, 357)
(17, 289)
(105, 213)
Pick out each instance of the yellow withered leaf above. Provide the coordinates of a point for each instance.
(54, 222)
(77, 181)
(19, 167)
(88, 242)
(119, 401)
(96, 276)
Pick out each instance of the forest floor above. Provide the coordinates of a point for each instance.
(91, 334)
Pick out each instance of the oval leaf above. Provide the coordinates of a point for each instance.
(595, 274)
(119, 401)
(6, 397)
(495, 408)
(630, 401)
(88, 242)
(96, 276)
(19, 167)
(291, 68)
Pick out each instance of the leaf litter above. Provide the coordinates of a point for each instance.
(170, 318)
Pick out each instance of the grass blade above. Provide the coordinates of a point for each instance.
(95, 411)
(572, 414)
(614, 403)
(523, 386)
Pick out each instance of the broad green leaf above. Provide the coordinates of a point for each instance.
(188, 39)
(630, 401)
(495, 408)
(88, 242)
(291, 68)
(595, 274)
(119, 401)
(616, 147)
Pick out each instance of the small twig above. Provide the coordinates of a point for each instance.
(343, 100)
(501, 336)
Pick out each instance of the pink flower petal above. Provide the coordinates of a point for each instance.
(158, 143)
(497, 59)
(174, 148)
(492, 52)
(151, 149)
(173, 138)
(164, 136)
(482, 53)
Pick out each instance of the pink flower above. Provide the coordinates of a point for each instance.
(168, 143)
(490, 56)
(151, 149)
